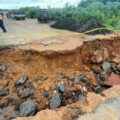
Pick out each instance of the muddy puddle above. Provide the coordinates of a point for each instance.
(31, 81)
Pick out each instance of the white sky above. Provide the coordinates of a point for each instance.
(9, 4)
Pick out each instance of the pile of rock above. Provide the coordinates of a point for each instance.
(11, 108)
(82, 26)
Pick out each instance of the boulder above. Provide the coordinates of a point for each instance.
(28, 108)
(22, 80)
(55, 101)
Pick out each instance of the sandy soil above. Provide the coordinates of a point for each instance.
(21, 32)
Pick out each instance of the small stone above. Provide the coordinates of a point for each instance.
(80, 78)
(106, 66)
(45, 93)
(22, 80)
(97, 89)
(28, 108)
(26, 92)
(96, 70)
(8, 113)
(3, 68)
(81, 97)
(3, 92)
(88, 83)
(61, 87)
(115, 69)
(55, 101)
(69, 95)
(101, 77)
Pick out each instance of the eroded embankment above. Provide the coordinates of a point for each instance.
(52, 79)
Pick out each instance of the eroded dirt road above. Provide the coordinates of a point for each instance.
(22, 32)
(57, 69)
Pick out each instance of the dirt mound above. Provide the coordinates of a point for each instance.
(83, 26)
(65, 23)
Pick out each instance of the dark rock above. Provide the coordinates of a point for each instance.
(3, 92)
(26, 92)
(96, 70)
(8, 113)
(88, 83)
(28, 108)
(69, 95)
(97, 89)
(12, 101)
(81, 78)
(101, 77)
(61, 87)
(82, 26)
(115, 69)
(22, 80)
(81, 97)
(90, 25)
(45, 93)
(65, 23)
(55, 101)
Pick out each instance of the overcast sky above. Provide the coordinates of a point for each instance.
(42, 3)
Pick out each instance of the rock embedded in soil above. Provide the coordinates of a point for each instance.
(26, 92)
(8, 113)
(96, 70)
(101, 77)
(22, 80)
(55, 101)
(80, 78)
(106, 66)
(115, 69)
(81, 97)
(28, 108)
(3, 92)
(69, 95)
(97, 89)
(61, 87)
(3, 68)
(45, 93)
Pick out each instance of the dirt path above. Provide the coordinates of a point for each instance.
(21, 32)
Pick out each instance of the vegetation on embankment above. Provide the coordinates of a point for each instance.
(106, 12)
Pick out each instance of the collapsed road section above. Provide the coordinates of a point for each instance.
(34, 80)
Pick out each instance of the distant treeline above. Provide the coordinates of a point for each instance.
(105, 11)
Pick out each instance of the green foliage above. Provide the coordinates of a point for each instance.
(106, 12)
(31, 12)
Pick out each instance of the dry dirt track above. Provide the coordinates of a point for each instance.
(22, 32)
